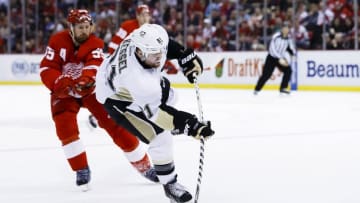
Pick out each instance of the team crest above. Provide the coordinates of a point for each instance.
(159, 40)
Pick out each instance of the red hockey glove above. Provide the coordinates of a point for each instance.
(63, 86)
(84, 85)
(191, 64)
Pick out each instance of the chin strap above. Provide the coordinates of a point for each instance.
(71, 32)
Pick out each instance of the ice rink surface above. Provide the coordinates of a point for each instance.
(304, 148)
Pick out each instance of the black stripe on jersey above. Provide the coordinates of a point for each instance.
(111, 77)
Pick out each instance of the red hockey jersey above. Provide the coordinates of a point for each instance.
(125, 29)
(63, 57)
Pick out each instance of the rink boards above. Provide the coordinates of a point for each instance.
(312, 70)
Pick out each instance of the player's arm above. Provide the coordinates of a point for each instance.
(291, 48)
(174, 50)
(116, 40)
(92, 54)
(163, 118)
(181, 122)
(50, 65)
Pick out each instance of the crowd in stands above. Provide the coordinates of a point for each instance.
(217, 25)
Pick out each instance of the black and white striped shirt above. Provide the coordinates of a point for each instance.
(281, 46)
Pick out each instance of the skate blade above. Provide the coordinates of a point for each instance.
(85, 187)
(173, 201)
(284, 94)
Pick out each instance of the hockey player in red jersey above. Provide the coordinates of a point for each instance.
(68, 70)
(142, 16)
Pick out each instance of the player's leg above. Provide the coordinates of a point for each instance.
(267, 71)
(285, 79)
(64, 112)
(160, 147)
(134, 152)
(161, 152)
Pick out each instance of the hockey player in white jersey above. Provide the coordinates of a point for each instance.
(137, 96)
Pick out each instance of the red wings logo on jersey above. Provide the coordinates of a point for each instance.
(73, 69)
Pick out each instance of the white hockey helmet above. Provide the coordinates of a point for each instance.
(150, 39)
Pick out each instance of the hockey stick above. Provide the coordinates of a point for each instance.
(202, 142)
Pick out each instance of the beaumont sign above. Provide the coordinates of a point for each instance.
(332, 70)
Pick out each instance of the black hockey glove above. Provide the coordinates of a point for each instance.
(196, 129)
(191, 64)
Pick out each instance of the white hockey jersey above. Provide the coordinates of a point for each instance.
(122, 77)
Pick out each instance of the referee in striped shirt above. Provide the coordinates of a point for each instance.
(280, 51)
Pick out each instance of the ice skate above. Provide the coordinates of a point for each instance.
(83, 177)
(284, 92)
(176, 192)
(145, 169)
(150, 174)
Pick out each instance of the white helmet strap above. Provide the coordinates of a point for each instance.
(142, 55)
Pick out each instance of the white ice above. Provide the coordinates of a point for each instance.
(304, 148)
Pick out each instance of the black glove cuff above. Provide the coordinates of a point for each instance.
(180, 118)
(165, 89)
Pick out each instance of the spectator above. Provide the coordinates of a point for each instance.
(2, 45)
(301, 36)
(3, 6)
(313, 22)
(333, 40)
(50, 17)
(208, 29)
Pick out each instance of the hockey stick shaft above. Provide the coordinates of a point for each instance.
(202, 142)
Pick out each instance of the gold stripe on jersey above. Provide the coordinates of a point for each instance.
(165, 120)
(142, 126)
(123, 94)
